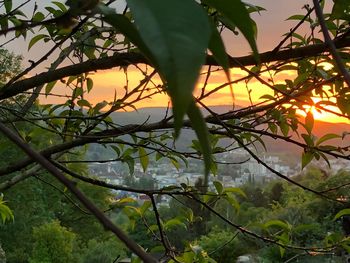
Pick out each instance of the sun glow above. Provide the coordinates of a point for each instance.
(110, 84)
(326, 113)
(316, 113)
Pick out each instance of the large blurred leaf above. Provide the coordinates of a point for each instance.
(8, 5)
(128, 29)
(235, 12)
(200, 127)
(217, 48)
(177, 33)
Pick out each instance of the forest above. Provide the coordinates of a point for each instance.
(148, 130)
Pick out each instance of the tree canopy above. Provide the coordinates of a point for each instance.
(53, 111)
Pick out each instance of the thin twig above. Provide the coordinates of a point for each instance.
(330, 43)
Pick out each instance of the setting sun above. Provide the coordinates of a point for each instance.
(326, 113)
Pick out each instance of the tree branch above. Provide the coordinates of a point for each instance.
(105, 221)
(126, 59)
(133, 128)
(330, 44)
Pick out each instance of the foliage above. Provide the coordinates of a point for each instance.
(5, 211)
(2, 255)
(52, 243)
(10, 65)
(223, 245)
(36, 203)
(103, 252)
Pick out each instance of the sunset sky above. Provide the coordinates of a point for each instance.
(272, 24)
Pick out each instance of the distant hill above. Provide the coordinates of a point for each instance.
(274, 146)
(155, 114)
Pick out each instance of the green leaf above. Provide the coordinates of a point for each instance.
(217, 48)
(84, 103)
(99, 106)
(158, 250)
(123, 24)
(131, 211)
(218, 186)
(235, 190)
(341, 213)
(213, 167)
(49, 87)
(5, 211)
(177, 33)
(236, 12)
(152, 228)
(333, 238)
(277, 223)
(108, 43)
(53, 11)
(208, 197)
(273, 127)
(131, 163)
(60, 6)
(159, 156)
(345, 245)
(78, 91)
(199, 125)
(38, 17)
(175, 163)
(143, 158)
(125, 200)
(299, 17)
(8, 5)
(267, 97)
(328, 148)
(89, 84)
(309, 139)
(116, 149)
(187, 257)
(306, 158)
(173, 223)
(135, 259)
(233, 201)
(284, 128)
(327, 137)
(146, 204)
(284, 239)
(35, 39)
(309, 122)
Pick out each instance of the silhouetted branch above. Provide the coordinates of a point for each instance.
(126, 59)
(330, 44)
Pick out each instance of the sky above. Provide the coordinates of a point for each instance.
(272, 24)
